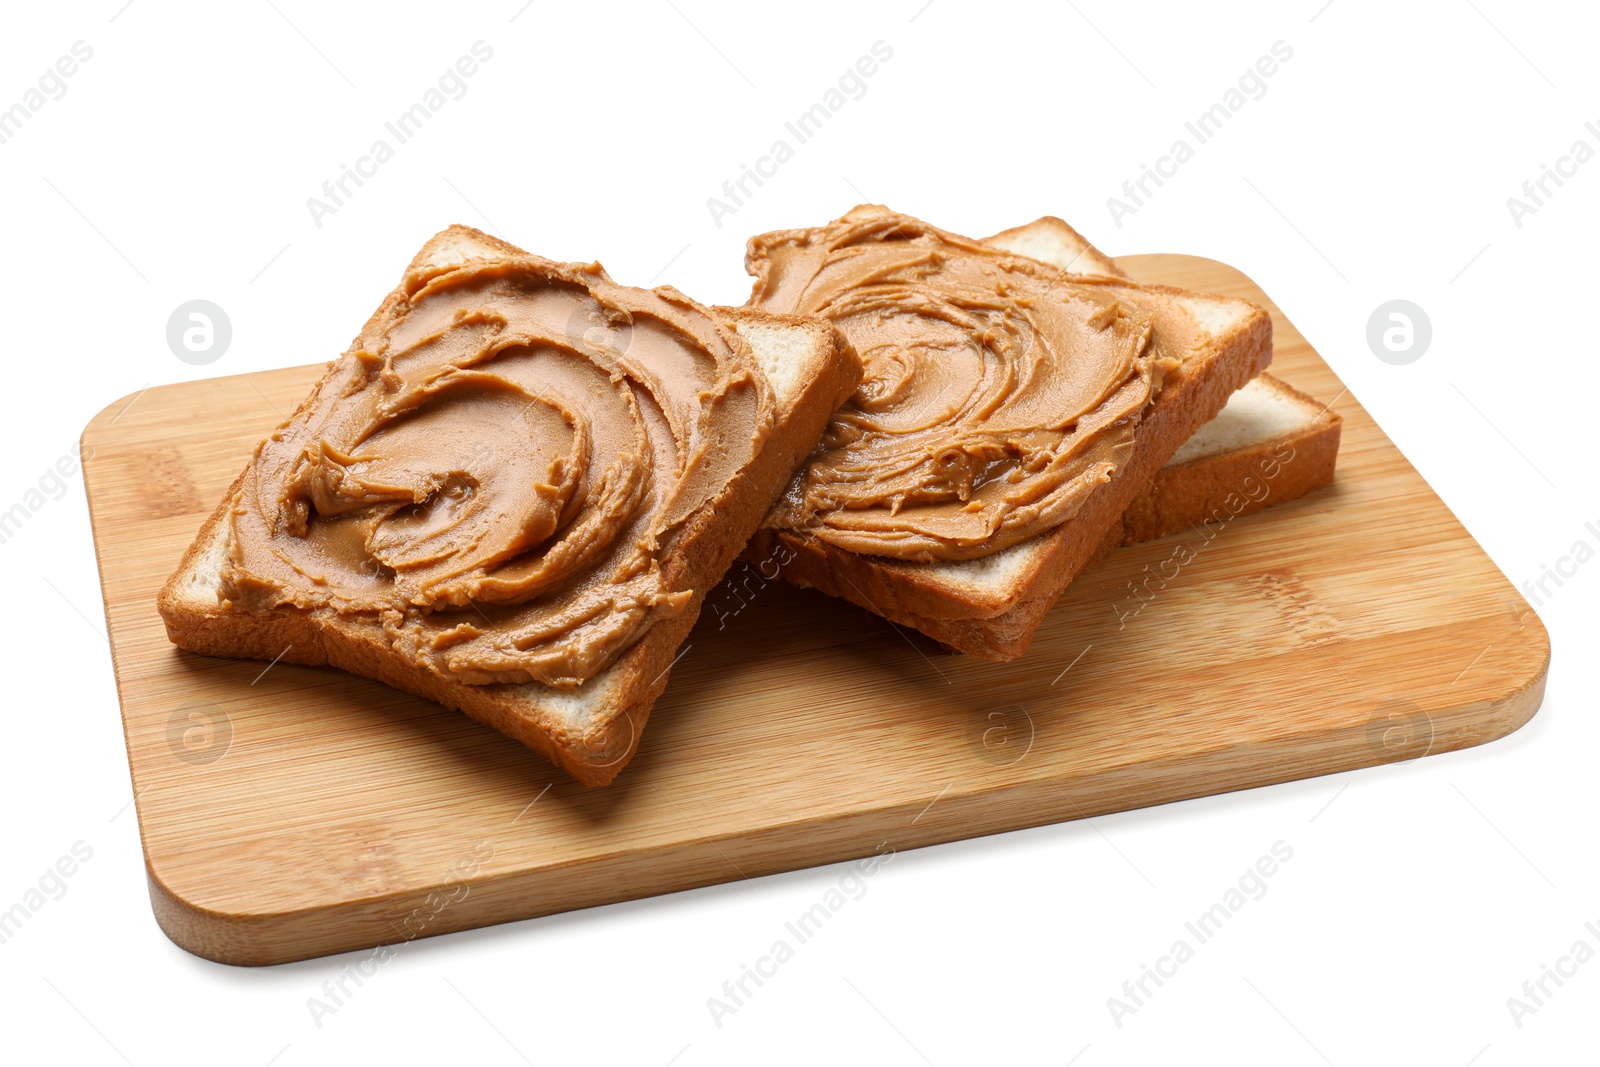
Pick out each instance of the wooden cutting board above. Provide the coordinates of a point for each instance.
(290, 812)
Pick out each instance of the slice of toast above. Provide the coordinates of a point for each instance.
(990, 606)
(593, 729)
(1266, 426)
(1270, 444)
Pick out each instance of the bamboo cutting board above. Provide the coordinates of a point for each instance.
(290, 812)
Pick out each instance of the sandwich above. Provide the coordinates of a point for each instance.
(1018, 397)
(512, 493)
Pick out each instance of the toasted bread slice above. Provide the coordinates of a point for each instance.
(592, 730)
(1270, 444)
(990, 606)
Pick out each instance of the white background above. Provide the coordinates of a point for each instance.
(1377, 165)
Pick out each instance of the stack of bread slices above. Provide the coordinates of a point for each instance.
(1208, 429)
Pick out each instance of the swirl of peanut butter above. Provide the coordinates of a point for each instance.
(495, 471)
(997, 393)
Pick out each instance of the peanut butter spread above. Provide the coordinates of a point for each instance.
(497, 469)
(997, 393)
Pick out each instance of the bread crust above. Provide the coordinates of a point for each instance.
(594, 731)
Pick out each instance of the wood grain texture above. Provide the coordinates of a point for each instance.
(293, 812)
